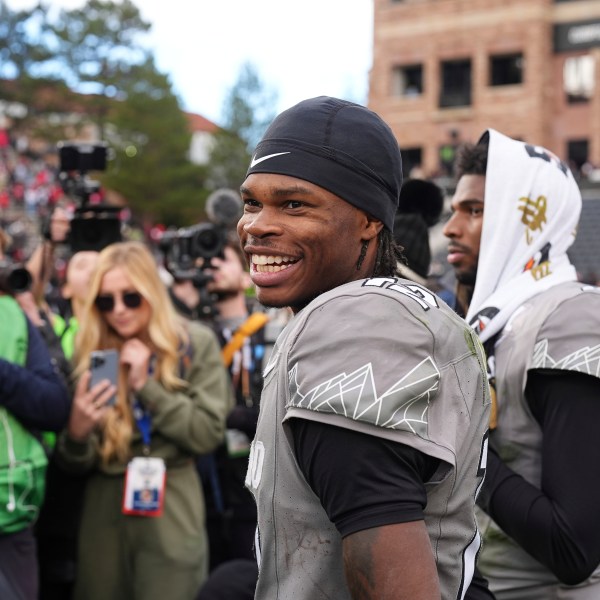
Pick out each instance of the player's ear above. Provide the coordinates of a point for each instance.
(370, 227)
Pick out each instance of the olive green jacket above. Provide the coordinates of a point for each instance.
(185, 423)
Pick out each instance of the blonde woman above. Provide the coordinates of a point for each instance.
(142, 531)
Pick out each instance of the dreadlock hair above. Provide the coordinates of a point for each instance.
(471, 159)
(389, 254)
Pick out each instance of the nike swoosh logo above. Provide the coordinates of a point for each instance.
(255, 160)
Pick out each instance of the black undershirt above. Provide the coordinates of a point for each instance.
(383, 481)
(558, 525)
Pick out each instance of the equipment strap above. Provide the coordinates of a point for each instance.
(250, 326)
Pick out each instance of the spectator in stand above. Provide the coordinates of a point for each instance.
(4, 142)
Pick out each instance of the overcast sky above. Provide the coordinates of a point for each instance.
(299, 49)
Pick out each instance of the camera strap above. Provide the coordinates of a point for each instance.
(249, 327)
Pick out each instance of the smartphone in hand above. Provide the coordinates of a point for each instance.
(104, 364)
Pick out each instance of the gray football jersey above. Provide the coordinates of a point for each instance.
(557, 329)
(387, 358)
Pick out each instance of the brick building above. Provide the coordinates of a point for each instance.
(445, 70)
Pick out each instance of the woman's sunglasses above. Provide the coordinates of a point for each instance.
(106, 302)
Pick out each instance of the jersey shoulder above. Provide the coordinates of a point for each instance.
(569, 338)
(373, 357)
(362, 314)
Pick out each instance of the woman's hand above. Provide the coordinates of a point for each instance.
(89, 407)
(136, 355)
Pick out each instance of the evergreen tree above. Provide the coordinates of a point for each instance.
(97, 48)
(150, 137)
(22, 50)
(248, 109)
(91, 61)
(26, 61)
(249, 106)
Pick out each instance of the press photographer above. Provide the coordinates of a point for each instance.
(189, 255)
(211, 283)
(79, 227)
(90, 226)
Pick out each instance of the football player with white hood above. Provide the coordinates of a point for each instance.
(515, 214)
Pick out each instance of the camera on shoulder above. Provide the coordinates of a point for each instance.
(188, 251)
(94, 225)
(82, 156)
(191, 248)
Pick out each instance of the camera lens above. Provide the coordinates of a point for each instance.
(19, 280)
(206, 242)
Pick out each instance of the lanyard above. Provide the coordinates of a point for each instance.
(143, 420)
(142, 416)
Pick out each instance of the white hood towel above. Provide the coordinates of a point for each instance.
(532, 208)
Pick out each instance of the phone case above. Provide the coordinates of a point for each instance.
(104, 364)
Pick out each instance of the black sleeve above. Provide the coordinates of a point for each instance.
(362, 481)
(558, 525)
(35, 393)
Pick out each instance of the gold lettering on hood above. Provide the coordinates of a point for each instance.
(534, 215)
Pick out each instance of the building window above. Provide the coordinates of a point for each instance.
(447, 153)
(456, 83)
(577, 154)
(407, 80)
(411, 162)
(578, 78)
(506, 69)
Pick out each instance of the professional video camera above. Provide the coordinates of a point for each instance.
(93, 226)
(14, 278)
(188, 251)
(184, 247)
